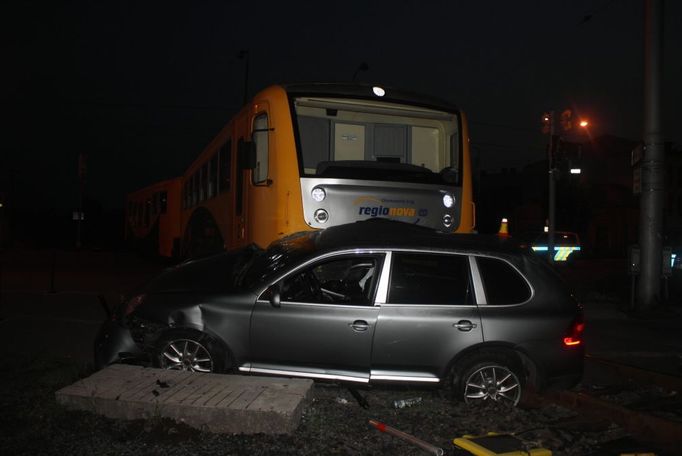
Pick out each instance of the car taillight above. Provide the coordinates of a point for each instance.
(575, 331)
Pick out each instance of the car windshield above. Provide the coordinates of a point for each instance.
(368, 139)
(288, 251)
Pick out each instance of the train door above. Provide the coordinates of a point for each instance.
(262, 199)
(251, 173)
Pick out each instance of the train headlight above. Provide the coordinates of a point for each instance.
(447, 220)
(448, 200)
(318, 194)
(321, 216)
(378, 91)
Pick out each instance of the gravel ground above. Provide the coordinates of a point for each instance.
(333, 423)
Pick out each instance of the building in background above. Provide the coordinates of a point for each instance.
(599, 202)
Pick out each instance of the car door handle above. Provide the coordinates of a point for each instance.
(359, 325)
(464, 325)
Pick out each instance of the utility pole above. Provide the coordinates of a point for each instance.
(551, 197)
(653, 182)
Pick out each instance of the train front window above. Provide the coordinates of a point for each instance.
(366, 139)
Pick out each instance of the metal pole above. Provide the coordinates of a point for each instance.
(632, 292)
(653, 183)
(1, 287)
(552, 190)
(80, 217)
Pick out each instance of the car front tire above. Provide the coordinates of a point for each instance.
(189, 350)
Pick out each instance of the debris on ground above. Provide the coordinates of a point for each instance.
(426, 446)
(402, 403)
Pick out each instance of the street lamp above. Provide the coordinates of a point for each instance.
(584, 123)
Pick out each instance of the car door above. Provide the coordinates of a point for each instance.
(325, 320)
(429, 315)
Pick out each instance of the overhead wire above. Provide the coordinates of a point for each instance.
(587, 17)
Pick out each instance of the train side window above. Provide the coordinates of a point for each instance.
(155, 203)
(225, 166)
(190, 191)
(185, 195)
(213, 176)
(208, 178)
(260, 139)
(202, 182)
(195, 188)
(147, 210)
(164, 202)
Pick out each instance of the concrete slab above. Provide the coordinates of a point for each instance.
(232, 404)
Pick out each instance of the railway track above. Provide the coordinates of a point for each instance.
(645, 403)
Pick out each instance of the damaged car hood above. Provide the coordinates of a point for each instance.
(221, 272)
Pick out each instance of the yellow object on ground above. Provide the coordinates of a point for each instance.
(493, 444)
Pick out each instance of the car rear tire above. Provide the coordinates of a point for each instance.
(489, 376)
(188, 350)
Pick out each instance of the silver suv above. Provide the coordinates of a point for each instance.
(372, 301)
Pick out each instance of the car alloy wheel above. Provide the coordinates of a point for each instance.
(187, 355)
(492, 382)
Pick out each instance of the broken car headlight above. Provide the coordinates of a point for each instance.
(132, 304)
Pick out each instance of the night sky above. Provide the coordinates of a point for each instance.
(142, 87)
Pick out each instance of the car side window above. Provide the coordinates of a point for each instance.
(345, 280)
(426, 278)
(503, 283)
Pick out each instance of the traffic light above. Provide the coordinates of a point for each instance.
(566, 120)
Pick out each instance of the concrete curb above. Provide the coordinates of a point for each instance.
(231, 404)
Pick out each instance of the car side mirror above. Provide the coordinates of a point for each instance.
(275, 293)
(275, 299)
